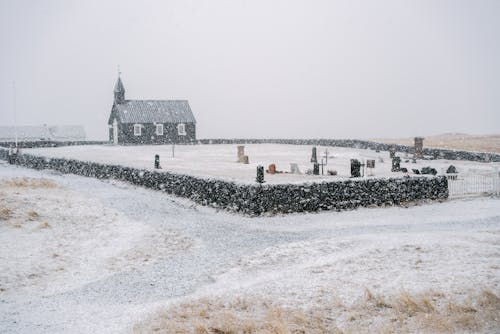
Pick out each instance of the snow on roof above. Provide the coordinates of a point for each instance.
(67, 132)
(41, 132)
(8, 133)
(151, 111)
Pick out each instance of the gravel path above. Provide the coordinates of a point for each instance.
(115, 303)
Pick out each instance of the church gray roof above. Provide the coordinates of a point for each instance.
(155, 111)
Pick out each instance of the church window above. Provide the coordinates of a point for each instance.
(159, 129)
(137, 129)
(181, 129)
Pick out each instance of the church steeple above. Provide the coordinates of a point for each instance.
(119, 91)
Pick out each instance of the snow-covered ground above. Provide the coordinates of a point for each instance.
(79, 255)
(220, 160)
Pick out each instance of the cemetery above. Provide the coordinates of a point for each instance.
(282, 163)
(260, 178)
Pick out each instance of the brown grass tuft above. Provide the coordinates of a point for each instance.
(428, 312)
(5, 213)
(28, 183)
(33, 215)
(44, 225)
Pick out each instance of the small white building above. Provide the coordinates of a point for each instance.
(42, 133)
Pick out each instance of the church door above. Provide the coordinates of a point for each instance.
(115, 132)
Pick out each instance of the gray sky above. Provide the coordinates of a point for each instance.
(337, 69)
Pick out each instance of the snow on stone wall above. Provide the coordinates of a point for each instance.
(257, 199)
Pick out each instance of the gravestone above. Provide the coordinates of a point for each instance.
(316, 169)
(260, 174)
(370, 165)
(451, 170)
(428, 170)
(294, 169)
(314, 157)
(419, 147)
(272, 169)
(241, 152)
(392, 151)
(355, 168)
(396, 164)
(157, 162)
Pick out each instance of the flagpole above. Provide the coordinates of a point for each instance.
(14, 107)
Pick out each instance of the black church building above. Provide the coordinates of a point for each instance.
(150, 121)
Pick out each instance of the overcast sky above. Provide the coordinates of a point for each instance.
(336, 69)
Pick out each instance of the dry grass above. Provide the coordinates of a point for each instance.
(428, 312)
(44, 225)
(33, 215)
(5, 213)
(28, 183)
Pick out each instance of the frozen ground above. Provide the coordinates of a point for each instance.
(124, 253)
(220, 160)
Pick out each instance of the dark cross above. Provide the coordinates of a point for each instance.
(322, 164)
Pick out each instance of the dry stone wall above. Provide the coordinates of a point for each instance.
(255, 199)
(435, 153)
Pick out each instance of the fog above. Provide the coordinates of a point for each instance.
(295, 69)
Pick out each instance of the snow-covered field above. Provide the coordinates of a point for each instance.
(220, 160)
(79, 255)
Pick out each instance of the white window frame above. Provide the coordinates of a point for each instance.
(181, 129)
(159, 129)
(137, 129)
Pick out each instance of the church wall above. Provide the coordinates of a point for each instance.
(148, 134)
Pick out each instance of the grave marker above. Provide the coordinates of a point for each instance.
(157, 161)
(294, 169)
(419, 147)
(241, 152)
(396, 164)
(355, 168)
(314, 157)
(260, 174)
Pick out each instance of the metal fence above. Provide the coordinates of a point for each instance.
(474, 183)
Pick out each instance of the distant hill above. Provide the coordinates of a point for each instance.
(455, 141)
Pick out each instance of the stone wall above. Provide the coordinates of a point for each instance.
(434, 153)
(255, 199)
(48, 143)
